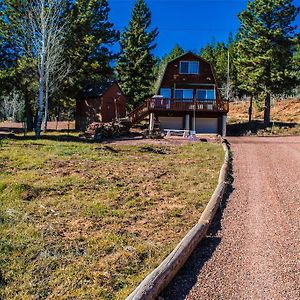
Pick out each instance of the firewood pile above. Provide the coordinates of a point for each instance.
(100, 131)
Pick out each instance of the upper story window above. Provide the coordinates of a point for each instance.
(189, 67)
(206, 94)
(165, 92)
(184, 94)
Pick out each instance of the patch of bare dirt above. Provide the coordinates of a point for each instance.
(52, 125)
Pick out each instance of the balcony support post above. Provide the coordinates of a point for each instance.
(187, 122)
(194, 115)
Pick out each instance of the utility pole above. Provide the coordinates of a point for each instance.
(194, 119)
(228, 76)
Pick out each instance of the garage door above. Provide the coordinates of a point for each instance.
(207, 125)
(171, 123)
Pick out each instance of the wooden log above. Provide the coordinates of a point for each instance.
(159, 278)
(156, 281)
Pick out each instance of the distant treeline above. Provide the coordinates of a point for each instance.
(51, 49)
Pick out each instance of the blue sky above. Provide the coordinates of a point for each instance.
(191, 23)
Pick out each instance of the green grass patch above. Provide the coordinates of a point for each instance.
(79, 221)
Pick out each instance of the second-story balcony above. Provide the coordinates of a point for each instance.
(157, 104)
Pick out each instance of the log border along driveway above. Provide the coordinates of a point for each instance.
(253, 248)
(159, 278)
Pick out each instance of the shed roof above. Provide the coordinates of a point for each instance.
(96, 89)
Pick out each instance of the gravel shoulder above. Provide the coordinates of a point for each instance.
(252, 250)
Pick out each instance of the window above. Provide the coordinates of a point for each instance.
(210, 94)
(201, 94)
(184, 67)
(189, 67)
(184, 94)
(206, 94)
(194, 67)
(165, 92)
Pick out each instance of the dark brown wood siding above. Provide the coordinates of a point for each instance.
(110, 107)
(100, 109)
(204, 80)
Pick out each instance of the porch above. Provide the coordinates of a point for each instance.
(186, 105)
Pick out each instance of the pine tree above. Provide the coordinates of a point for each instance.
(88, 44)
(233, 71)
(7, 51)
(87, 47)
(175, 52)
(136, 62)
(296, 62)
(208, 53)
(265, 48)
(17, 71)
(217, 55)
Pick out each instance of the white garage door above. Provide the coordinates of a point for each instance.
(207, 125)
(171, 123)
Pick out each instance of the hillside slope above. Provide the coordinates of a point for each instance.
(283, 111)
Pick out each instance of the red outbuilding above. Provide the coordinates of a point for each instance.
(101, 102)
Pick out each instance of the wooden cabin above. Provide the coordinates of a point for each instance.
(100, 102)
(188, 98)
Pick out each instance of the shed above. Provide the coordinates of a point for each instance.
(101, 102)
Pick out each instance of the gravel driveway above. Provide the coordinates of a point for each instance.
(253, 250)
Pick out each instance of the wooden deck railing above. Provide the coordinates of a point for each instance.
(178, 105)
(164, 104)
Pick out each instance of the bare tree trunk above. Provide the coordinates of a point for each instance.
(44, 29)
(46, 103)
(267, 110)
(41, 97)
(42, 53)
(250, 109)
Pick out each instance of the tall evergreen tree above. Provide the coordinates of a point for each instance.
(296, 62)
(234, 90)
(265, 48)
(87, 47)
(88, 44)
(217, 55)
(208, 53)
(136, 62)
(7, 51)
(175, 52)
(17, 70)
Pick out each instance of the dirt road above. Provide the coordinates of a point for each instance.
(253, 252)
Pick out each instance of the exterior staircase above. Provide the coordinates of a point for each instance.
(139, 113)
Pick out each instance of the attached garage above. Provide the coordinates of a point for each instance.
(171, 123)
(207, 125)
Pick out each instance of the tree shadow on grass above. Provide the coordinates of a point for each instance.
(65, 137)
(186, 278)
(240, 129)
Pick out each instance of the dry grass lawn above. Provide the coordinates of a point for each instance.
(89, 221)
